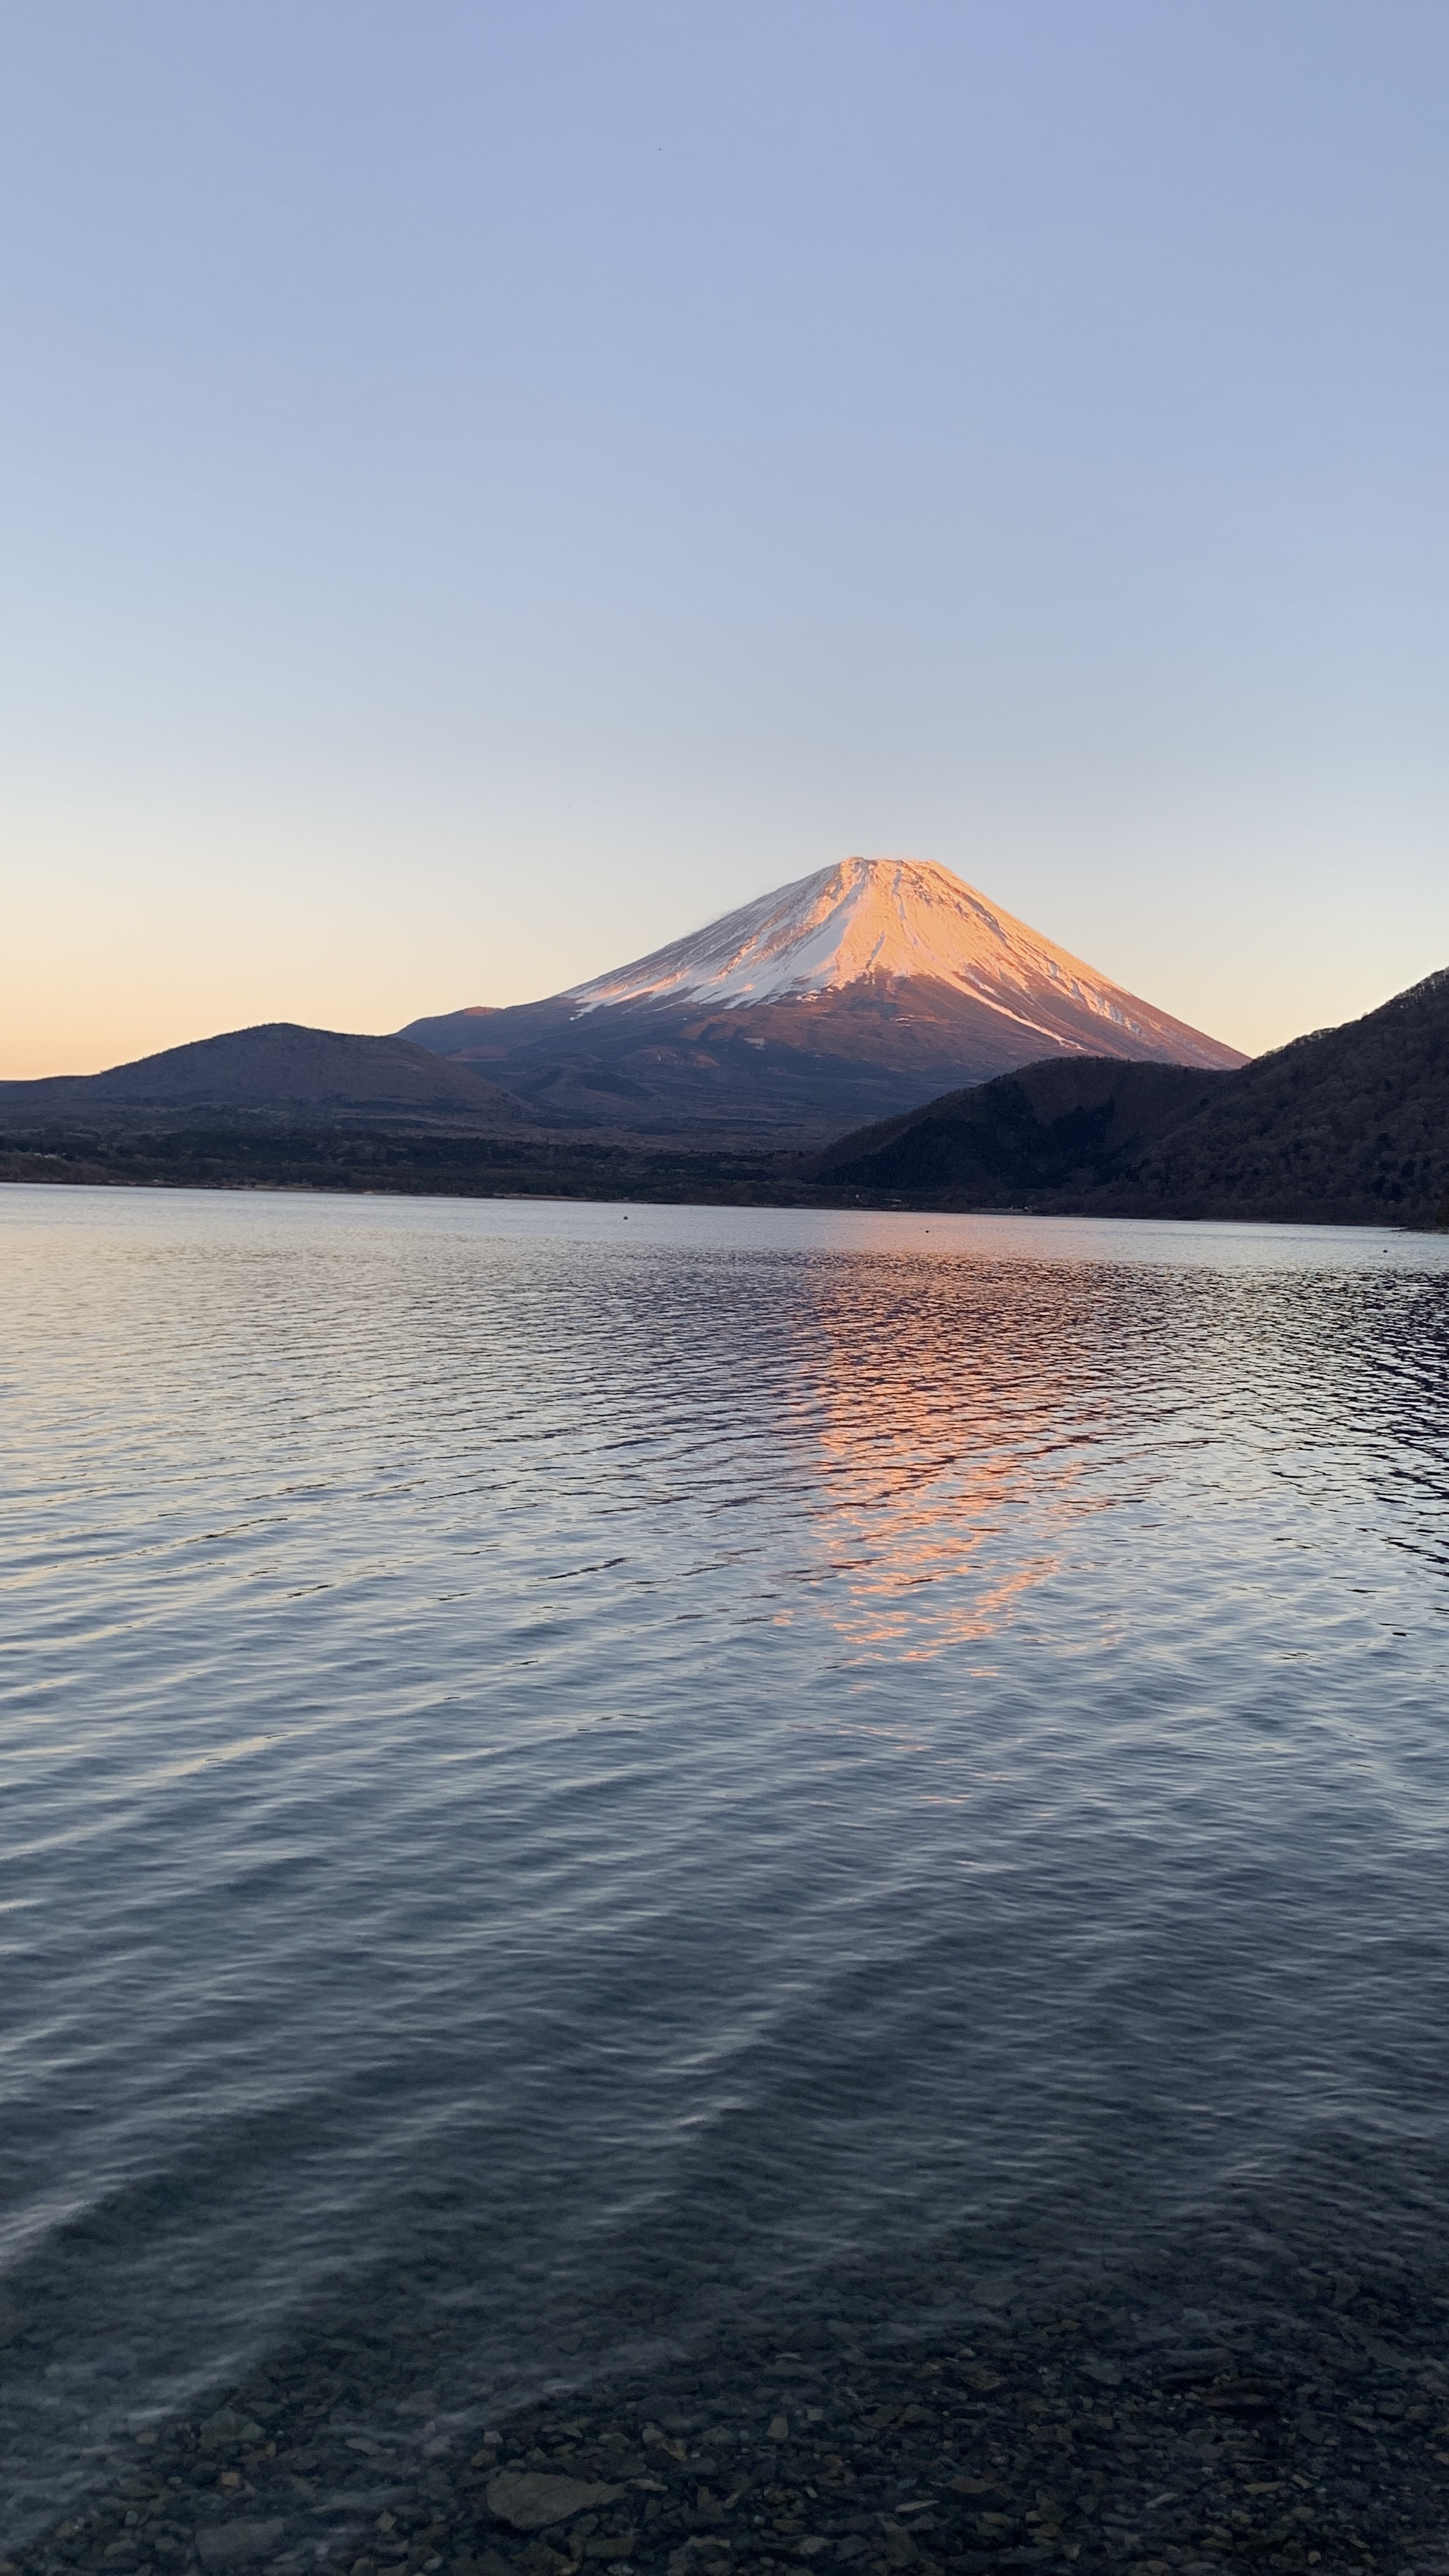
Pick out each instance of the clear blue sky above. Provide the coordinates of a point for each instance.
(488, 487)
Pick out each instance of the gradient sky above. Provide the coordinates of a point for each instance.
(487, 488)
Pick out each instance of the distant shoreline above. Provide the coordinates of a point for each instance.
(804, 1201)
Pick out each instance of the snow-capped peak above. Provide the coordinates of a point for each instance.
(876, 917)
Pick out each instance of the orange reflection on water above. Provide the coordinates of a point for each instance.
(942, 1455)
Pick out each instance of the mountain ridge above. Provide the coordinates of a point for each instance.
(851, 993)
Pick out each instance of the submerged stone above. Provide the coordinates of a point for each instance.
(531, 2500)
(236, 2544)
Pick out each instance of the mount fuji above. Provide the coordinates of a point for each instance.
(856, 993)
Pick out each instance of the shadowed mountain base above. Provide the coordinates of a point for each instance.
(1347, 1127)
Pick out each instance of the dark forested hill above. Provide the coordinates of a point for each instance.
(1346, 1126)
(1067, 1123)
(1349, 1126)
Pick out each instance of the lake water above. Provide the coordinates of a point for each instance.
(574, 1777)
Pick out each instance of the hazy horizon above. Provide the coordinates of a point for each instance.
(488, 493)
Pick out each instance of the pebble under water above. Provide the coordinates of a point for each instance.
(790, 1866)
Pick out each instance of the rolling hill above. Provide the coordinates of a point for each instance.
(277, 1069)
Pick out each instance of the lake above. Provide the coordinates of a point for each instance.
(578, 1777)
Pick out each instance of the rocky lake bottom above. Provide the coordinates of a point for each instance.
(1313, 2432)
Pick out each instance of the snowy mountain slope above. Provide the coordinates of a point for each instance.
(857, 991)
(897, 918)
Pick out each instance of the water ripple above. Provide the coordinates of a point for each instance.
(565, 1780)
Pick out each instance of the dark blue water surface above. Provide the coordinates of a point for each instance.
(573, 1777)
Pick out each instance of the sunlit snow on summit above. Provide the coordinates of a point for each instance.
(880, 918)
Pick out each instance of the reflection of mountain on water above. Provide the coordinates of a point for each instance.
(939, 1433)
